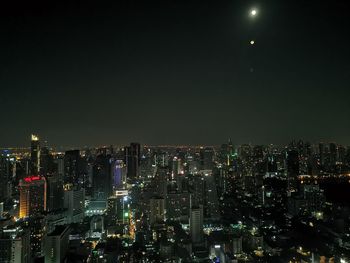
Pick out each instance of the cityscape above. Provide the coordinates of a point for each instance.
(138, 203)
(174, 131)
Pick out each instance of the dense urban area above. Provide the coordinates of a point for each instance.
(138, 203)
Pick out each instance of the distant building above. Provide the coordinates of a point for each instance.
(206, 158)
(72, 163)
(35, 154)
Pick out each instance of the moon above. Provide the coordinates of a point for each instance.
(253, 12)
(252, 42)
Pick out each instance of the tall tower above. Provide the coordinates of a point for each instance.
(157, 210)
(35, 154)
(196, 224)
(132, 159)
(32, 190)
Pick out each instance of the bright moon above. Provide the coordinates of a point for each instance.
(252, 42)
(253, 12)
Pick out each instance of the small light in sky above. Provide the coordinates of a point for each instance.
(252, 42)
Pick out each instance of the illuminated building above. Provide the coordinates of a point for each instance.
(119, 174)
(196, 224)
(117, 208)
(32, 196)
(15, 248)
(35, 154)
(37, 226)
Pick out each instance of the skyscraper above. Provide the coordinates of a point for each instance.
(196, 224)
(72, 166)
(157, 210)
(56, 245)
(119, 174)
(206, 155)
(102, 178)
(292, 168)
(35, 155)
(32, 196)
(132, 159)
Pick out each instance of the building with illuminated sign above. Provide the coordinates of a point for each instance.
(32, 196)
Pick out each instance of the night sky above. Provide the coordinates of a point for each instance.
(174, 72)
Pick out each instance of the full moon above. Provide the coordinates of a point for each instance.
(252, 42)
(253, 12)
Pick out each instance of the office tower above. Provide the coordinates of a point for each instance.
(332, 154)
(177, 167)
(102, 178)
(74, 202)
(32, 200)
(132, 160)
(37, 228)
(321, 153)
(72, 167)
(54, 193)
(60, 167)
(35, 155)
(56, 245)
(5, 175)
(206, 158)
(119, 174)
(237, 244)
(46, 161)
(157, 210)
(15, 248)
(292, 168)
(117, 208)
(178, 206)
(196, 224)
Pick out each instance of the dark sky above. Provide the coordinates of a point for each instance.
(170, 72)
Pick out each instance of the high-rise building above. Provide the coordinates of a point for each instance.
(206, 155)
(74, 202)
(117, 208)
(56, 245)
(102, 178)
(32, 196)
(132, 159)
(119, 174)
(35, 154)
(292, 168)
(54, 193)
(37, 227)
(15, 248)
(72, 167)
(5, 174)
(196, 224)
(157, 210)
